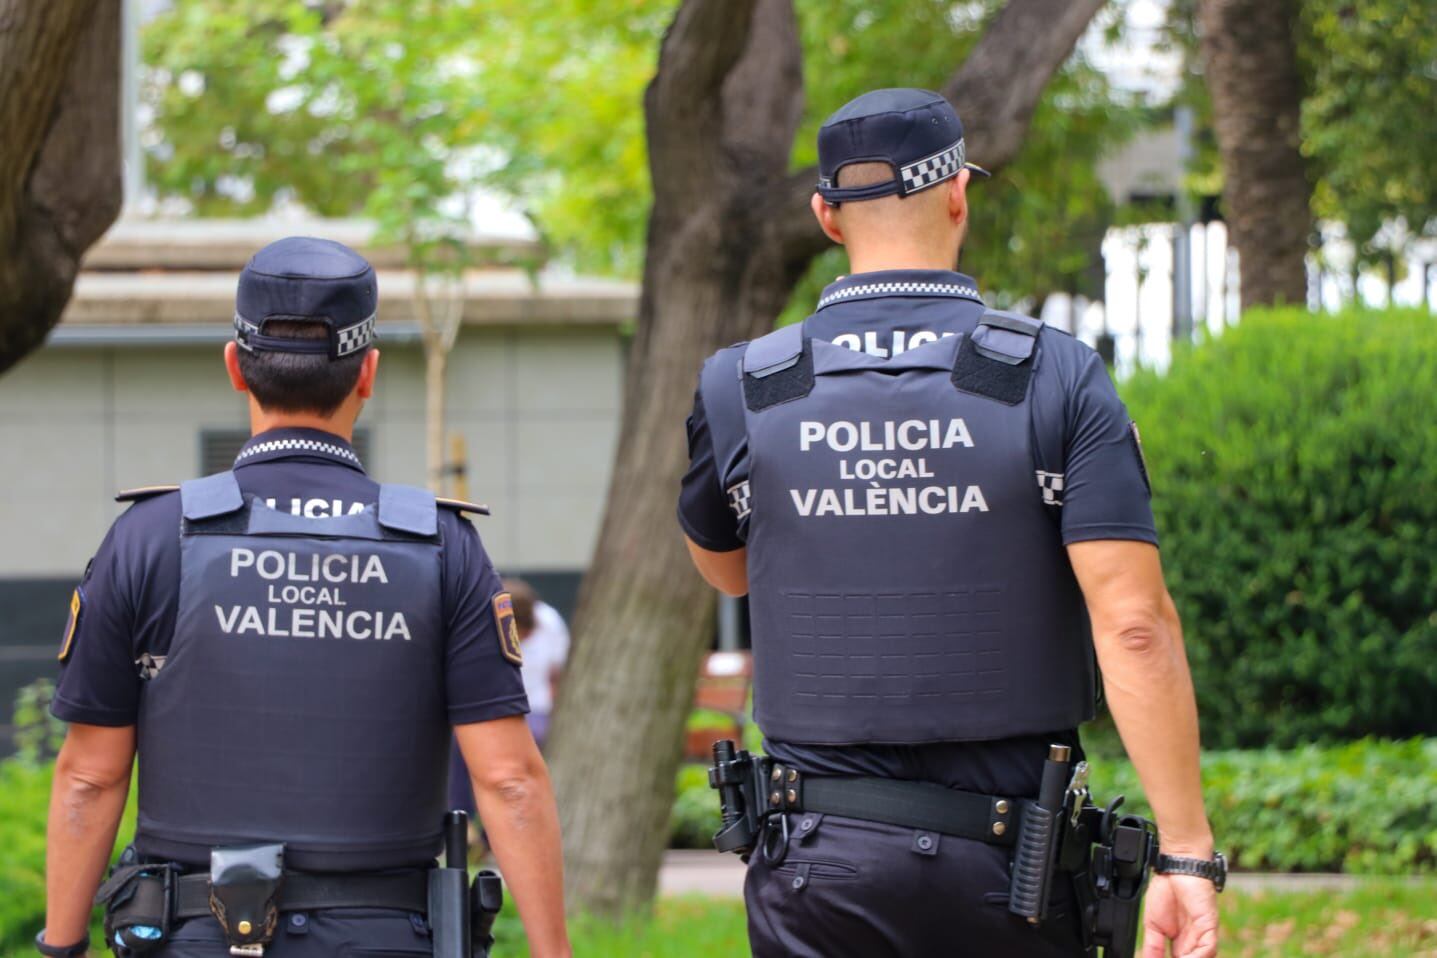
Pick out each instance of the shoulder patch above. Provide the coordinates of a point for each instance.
(508, 629)
(459, 505)
(143, 492)
(77, 608)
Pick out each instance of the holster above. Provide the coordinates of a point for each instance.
(244, 894)
(138, 903)
(486, 898)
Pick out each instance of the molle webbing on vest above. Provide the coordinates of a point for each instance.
(996, 360)
(777, 368)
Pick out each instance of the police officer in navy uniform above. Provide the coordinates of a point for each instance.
(926, 502)
(286, 647)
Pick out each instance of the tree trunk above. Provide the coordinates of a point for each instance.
(730, 234)
(1250, 59)
(436, 364)
(59, 156)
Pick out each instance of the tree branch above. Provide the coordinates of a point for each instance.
(683, 103)
(995, 91)
(60, 156)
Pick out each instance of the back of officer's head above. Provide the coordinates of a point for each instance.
(304, 322)
(893, 174)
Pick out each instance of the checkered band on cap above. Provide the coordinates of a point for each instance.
(933, 169)
(244, 329)
(352, 339)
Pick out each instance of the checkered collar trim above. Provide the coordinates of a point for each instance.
(291, 444)
(900, 282)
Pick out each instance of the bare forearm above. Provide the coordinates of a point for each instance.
(522, 823)
(84, 817)
(1150, 692)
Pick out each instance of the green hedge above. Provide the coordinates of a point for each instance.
(1362, 807)
(1294, 469)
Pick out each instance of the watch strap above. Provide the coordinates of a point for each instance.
(1214, 869)
(76, 950)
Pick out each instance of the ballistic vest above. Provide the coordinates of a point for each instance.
(302, 698)
(907, 584)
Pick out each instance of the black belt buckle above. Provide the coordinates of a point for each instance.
(244, 895)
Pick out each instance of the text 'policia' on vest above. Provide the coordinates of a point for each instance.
(253, 667)
(860, 531)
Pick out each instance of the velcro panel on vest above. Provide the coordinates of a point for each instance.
(777, 368)
(996, 359)
(408, 509)
(212, 496)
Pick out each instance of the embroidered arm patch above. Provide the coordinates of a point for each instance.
(77, 607)
(508, 629)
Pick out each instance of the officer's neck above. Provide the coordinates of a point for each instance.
(340, 424)
(887, 257)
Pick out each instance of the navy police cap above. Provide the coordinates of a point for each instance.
(303, 278)
(916, 132)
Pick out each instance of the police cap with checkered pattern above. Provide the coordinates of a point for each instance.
(307, 279)
(916, 132)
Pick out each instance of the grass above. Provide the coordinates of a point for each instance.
(1381, 918)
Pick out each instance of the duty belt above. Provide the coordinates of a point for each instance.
(922, 805)
(408, 891)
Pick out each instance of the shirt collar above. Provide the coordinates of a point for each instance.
(900, 282)
(274, 444)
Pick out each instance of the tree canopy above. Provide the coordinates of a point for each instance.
(377, 106)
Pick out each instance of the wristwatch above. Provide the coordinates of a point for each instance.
(1214, 871)
(55, 951)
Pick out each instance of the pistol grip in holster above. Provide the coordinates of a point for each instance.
(486, 898)
(244, 894)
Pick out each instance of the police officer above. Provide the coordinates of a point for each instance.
(927, 502)
(286, 647)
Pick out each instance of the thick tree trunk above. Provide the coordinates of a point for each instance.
(59, 155)
(1250, 60)
(729, 236)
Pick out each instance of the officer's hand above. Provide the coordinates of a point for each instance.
(1181, 909)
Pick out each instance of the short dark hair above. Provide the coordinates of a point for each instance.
(299, 382)
(524, 599)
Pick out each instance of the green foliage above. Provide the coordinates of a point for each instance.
(38, 734)
(24, 798)
(1363, 807)
(695, 817)
(386, 108)
(1294, 466)
(1368, 122)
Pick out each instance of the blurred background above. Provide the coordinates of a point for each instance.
(1176, 170)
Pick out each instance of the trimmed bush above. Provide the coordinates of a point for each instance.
(1294, 469)
(1363, 807)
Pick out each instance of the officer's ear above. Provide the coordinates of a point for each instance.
(368, 370)
(233, 368)
(827, 217)
(958, 198)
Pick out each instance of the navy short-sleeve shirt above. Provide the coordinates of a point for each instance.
(1097, 489)
(1103, 491)
(129, 598)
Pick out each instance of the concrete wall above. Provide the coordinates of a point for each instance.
(538, 408)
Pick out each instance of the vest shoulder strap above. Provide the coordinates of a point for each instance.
(408, 509)
(777, 368)
(721, 392)
(461, 506)
(143, 492)
(210, 497)
(996, 359)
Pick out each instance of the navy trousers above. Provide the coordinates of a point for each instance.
(332, 933)
(853, 888)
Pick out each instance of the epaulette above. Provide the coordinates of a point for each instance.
(143, 492)
(459, 505)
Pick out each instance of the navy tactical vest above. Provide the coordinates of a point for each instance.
(906, 584)
(302, 699)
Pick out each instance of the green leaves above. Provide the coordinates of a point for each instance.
(1294, 473)
(1365, 807)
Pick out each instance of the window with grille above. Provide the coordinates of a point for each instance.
(218, 448)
